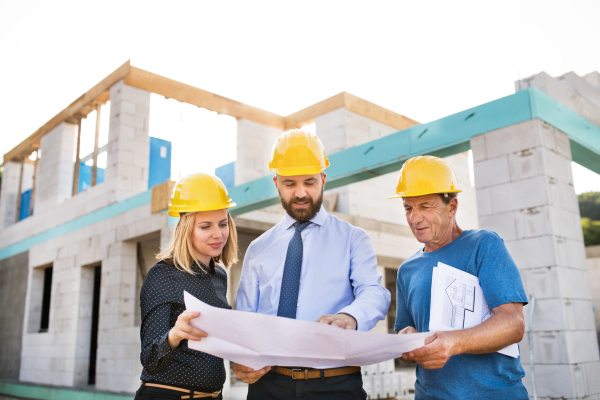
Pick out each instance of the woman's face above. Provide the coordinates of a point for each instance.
(210, 234)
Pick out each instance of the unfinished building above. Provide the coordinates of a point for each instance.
(77, 240)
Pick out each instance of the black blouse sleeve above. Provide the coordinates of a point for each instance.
(157, 320)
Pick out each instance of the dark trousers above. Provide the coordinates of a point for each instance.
(154, 393)
(274, 386)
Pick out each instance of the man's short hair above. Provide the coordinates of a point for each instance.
(446, 197)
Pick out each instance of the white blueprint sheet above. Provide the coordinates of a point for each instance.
(457, 302)
(258, 340)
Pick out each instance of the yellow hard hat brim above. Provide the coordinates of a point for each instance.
(417, 193)
(298, 171)
(185, 210)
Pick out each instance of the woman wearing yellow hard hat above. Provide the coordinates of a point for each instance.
(204, 245)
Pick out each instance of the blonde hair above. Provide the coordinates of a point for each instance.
(180, 252)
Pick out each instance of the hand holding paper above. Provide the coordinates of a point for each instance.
(258, 340)
(457, 302)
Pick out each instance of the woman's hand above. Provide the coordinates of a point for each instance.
(183, 329)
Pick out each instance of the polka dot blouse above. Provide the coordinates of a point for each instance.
(161, 300)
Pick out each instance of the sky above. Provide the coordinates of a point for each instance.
(425, 60)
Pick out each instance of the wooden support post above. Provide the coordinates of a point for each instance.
(76, 170)
(20, 189)
(35, 169)
(95, 156)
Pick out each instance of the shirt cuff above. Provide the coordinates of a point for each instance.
(358, 315)
(164, 349)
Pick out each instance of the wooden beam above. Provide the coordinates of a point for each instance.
(201, 98)
(99, 91)
(351, 103)
(35, 171)
(77, 158)
(19, 194)
(96, 138)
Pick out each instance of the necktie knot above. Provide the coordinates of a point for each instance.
(300, 227)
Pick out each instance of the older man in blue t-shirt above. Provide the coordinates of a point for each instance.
(462, 364)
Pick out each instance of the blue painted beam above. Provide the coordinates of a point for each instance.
(444, 137)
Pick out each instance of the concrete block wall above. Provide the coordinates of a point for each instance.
(254, 145)
(582, 87)
(525, 193)
(128, 148)
(593, 78)
(54, 183)
(566, 94)
(61, 356)
(13, 289)
(593, 264)
(9, 194)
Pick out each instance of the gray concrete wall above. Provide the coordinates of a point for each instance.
(593, 264)
(13, 288)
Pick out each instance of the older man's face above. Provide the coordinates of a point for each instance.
(428, 217)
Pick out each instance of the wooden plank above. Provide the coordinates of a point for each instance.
(308, 114)
(352, 103)
(201, 98)
(378, 113)
(161, 196)
(99, 91)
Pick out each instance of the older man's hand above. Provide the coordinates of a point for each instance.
(344, 321)
(437, 351)
(247, 374)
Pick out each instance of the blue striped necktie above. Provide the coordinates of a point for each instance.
(290, 283)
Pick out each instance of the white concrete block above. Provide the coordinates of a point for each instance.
(514, 138)
(505, 225)
(492, 172)
(593, 78)
(582, 87)
(519, 195)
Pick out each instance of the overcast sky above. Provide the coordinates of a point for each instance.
(425, 60)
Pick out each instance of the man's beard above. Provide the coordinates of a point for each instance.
(303, 214)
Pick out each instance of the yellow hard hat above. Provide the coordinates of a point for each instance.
(298, 152)
(425, 175)
(199, 192)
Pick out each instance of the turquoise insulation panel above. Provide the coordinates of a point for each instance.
(53, 393)
(25, 204)
(85, 177)
(160, 161)
(227, 174)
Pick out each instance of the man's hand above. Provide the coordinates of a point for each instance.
(437, 350)
(408, 329)
(344, 321)
(183, 329)
(247, 374)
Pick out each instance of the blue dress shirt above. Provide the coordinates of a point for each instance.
(339, 272)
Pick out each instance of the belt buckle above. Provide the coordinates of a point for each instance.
(299, 369)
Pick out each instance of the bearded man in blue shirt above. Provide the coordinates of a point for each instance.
(312, 267)
(461, 364)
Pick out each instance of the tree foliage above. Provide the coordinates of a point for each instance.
(589, 208)
(589, 205)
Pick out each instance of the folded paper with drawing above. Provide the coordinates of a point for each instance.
(458, 302)
(258, 340)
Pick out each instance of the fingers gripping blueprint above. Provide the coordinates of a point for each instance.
(258, 340)
(457, 302)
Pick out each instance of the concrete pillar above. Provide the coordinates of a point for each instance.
(54, 182)
(128, 148)
(254, 144)
(525, 194)
(9, 193)
(118, 368)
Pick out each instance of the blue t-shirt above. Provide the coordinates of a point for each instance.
(465, 376)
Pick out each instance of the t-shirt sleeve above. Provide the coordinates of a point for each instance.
(403, 316)
(498, 274)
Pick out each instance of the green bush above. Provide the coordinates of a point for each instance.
(591, 231)
(589, 205)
